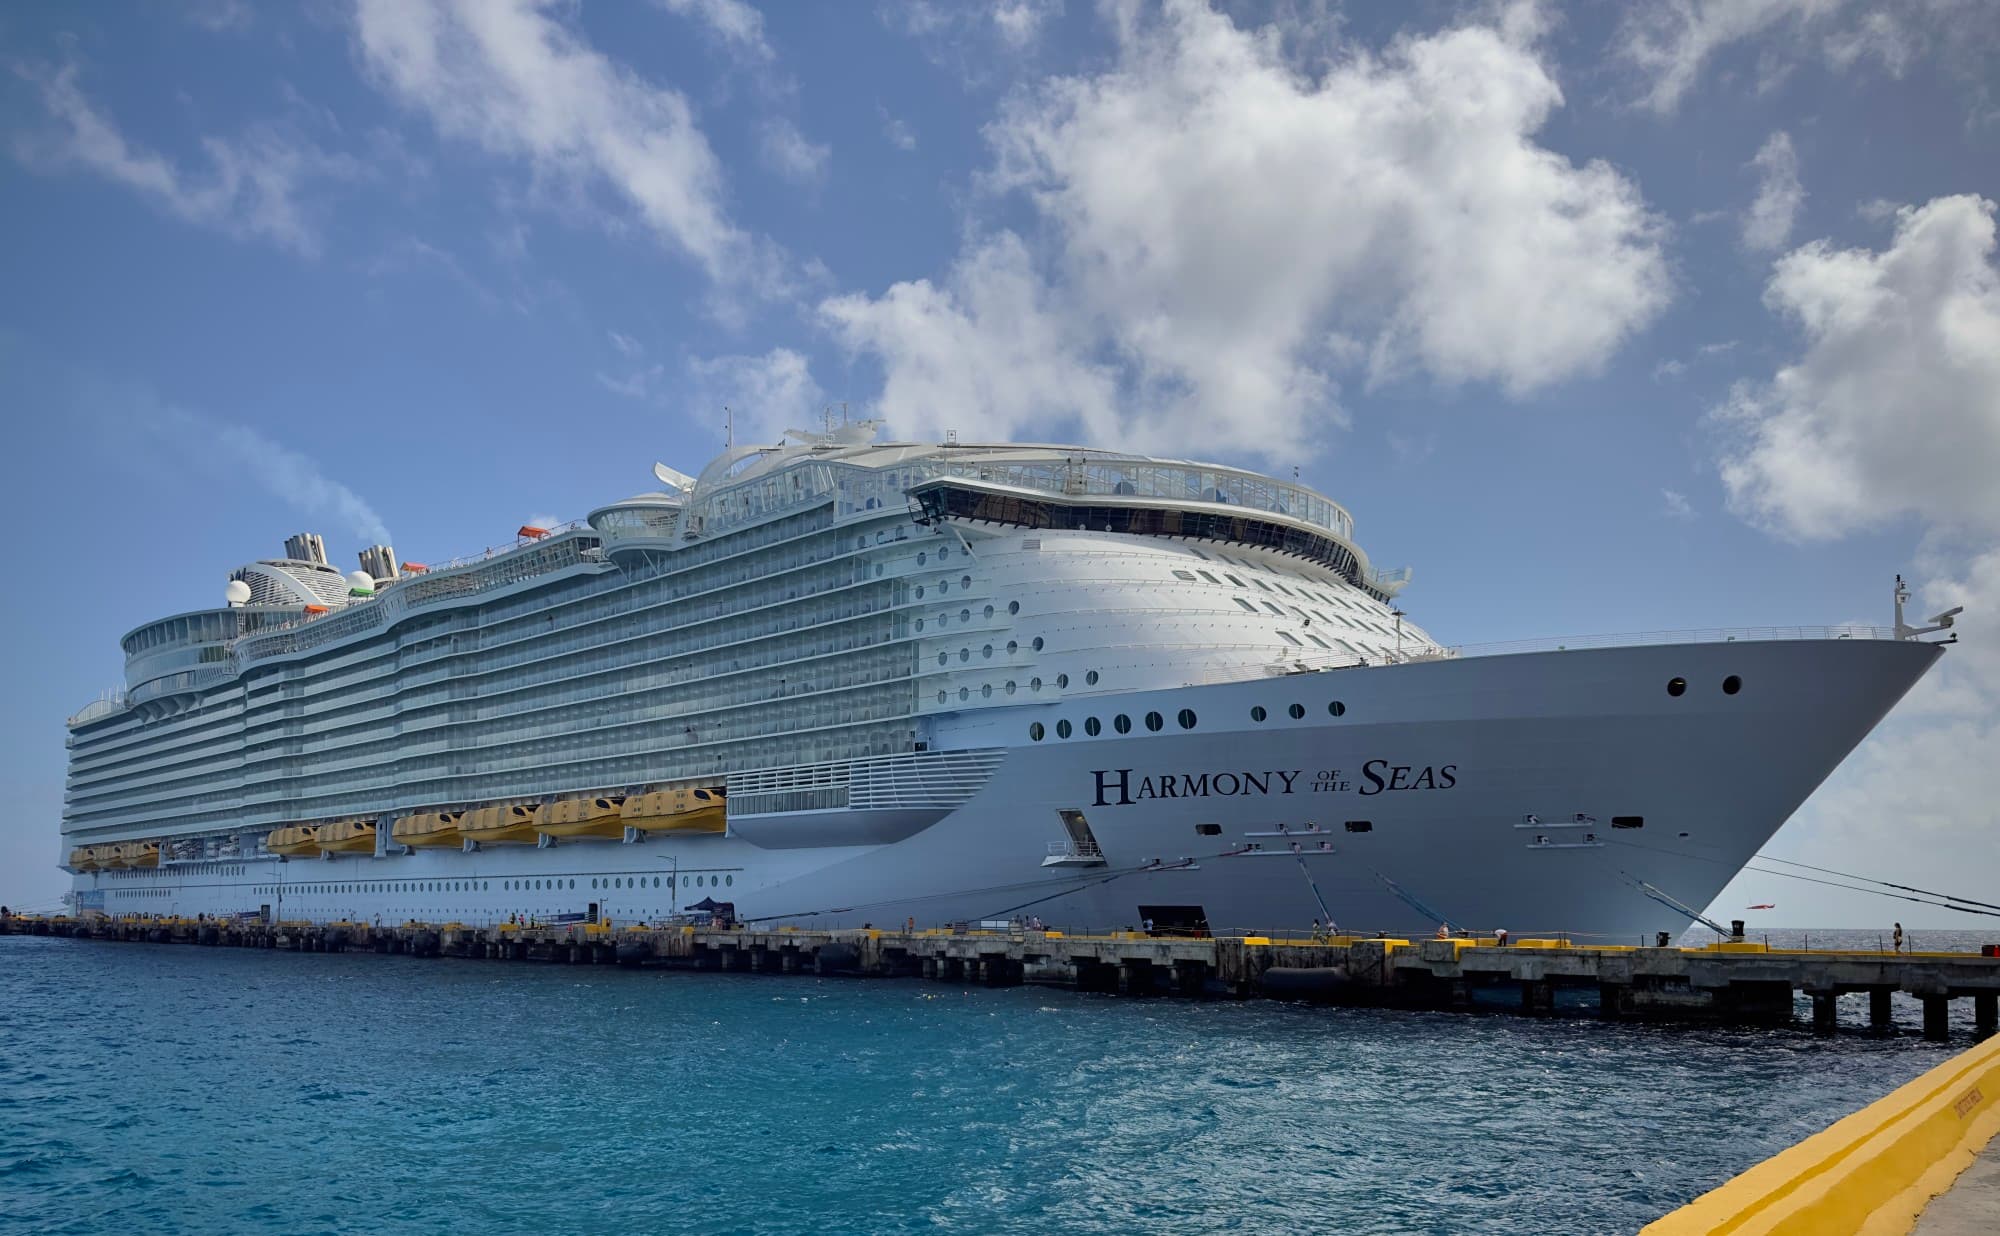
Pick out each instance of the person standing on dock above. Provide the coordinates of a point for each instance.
(1897, 939)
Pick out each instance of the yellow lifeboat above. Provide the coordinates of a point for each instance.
(684, 810)
(138, 854)
(83, 858)
(513, 824)
(435, 828)
(586, 817)
(294, 841)
(347, 837)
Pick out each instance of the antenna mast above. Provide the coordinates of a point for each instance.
(728, 428)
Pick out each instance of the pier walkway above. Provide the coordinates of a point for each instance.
(1732, 981)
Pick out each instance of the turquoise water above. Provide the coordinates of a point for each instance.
(148, 1088)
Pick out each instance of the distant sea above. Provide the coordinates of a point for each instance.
(169, 1089)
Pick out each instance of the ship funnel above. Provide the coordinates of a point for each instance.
(306, 547)
(380, 562)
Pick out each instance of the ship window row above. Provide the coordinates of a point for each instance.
(1154, 722)
(550, 745)
(394, 792)
(1297, 711)
(398, 785)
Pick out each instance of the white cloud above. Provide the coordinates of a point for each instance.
(627, 346)
(1669, 368)
(766, 394)
(1672, 43)
(986, 353)
(791, 154)
(508, 77)
(642, 383)
(1893, 408)
(1020, 22)
(1677, 504)
(1228, 237)
(898, 131)
(254, 186)
(733, 23)
(1768, 223)
(236, 455)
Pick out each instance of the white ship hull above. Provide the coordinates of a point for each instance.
(1513, 770)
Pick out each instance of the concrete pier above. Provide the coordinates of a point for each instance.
(1727, 982)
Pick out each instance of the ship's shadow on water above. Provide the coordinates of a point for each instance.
(190, 1090)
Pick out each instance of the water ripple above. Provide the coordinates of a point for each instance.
(184, 1090)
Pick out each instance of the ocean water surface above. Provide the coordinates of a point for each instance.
(172, 1089)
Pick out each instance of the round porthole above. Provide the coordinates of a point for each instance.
(965, 654)
(1034, 684)
(921, 556)
(986, 691)
(1013, 607)
(942, 697)
(920, 624)
(1062, 728)
(943, 657)
(1036, 732)
(944, 587)
(1154, 721)
(1337, 709)
(1092, 727)
(729, 880)
(964, 693)
(989, 611)
(965, 581)
(1186, 718)
(965, 615)
(987, 652)
(1090, 678)
(1731, 685)
(920, 592)
(1010, 686)
(944, 553)
(1122, 723)
(1297, 711)
(1036, 643)
(1677, 686)
(1257, 713)
(1062, 680)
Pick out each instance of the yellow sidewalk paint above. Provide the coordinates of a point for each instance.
(1872, 1172)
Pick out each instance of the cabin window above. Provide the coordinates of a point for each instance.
(1090, 678)
(1035, 732)
(1154, 721)
(1186, 718)
(1628, 821)
(1360, 826)
(1677, 686)
(1063, 728)
(1336, 708)
(1092, 726)
(1247, 606)
(1208, 830)
(1298, 711)
(1122, 723)
(1013, 607)
(1731, 685)
(1186, 575)
(1257, 713)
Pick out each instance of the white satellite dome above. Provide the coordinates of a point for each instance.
(360, 581)
(237, 592)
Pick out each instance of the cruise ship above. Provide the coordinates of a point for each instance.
(841, 681)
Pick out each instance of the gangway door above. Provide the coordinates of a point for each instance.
(1081, 850)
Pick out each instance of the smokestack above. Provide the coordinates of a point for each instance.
(306, 547)
(380, 562)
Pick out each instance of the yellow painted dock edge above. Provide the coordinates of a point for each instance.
(1873, 1172)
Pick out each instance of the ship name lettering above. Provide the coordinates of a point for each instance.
(1380, 776)
(1116, 787)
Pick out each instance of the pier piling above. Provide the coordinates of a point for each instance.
(1731, 981)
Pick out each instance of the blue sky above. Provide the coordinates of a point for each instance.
(1603, 319)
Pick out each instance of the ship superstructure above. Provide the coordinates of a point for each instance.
(838, 678)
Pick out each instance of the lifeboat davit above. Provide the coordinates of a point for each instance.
(294, 841)
(434, 828)
(685, 810)
(602, 816)
(514, 824)
(347, 837)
